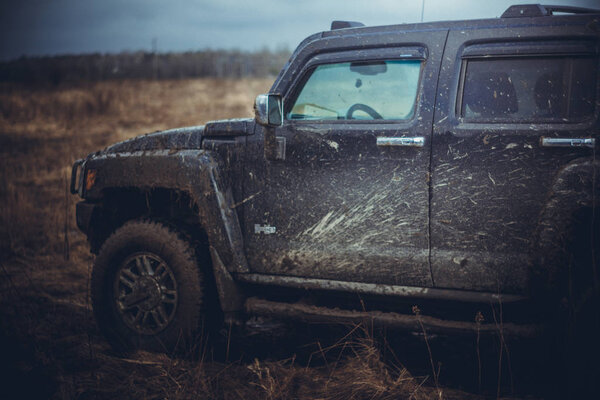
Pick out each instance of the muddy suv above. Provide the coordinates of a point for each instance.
(448, 165)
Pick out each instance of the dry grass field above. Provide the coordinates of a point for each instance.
(49, 344)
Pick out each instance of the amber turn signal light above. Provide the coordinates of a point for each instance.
(90, 178)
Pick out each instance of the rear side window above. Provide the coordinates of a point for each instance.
(528, 89)
(365, 90)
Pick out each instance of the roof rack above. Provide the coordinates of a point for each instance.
(345, 24)
(516, 11)
(539, 10)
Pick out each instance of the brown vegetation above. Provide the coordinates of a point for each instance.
(48, 340)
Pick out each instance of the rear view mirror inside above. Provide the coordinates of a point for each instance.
(368, 67)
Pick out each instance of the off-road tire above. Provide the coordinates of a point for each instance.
(154, 241)
(575, 328)
(582, 314)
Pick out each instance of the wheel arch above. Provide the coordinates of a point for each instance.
(573, 203)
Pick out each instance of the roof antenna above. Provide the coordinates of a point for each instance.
(422, 9)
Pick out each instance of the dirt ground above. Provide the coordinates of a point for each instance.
(49, 344)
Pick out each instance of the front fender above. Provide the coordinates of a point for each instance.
(195, 172)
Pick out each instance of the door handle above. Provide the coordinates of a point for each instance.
(567, 142)
(417, 141)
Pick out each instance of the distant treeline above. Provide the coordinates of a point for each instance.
(144, 65)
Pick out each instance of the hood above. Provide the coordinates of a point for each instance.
(172, 139)
(183, 138)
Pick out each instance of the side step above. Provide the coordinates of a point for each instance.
(309, 313)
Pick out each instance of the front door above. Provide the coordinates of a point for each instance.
(350, 201)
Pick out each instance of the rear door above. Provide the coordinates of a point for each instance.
(350, 201)
(504, 90)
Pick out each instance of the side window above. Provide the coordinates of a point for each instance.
(359, 90)
(528, 89)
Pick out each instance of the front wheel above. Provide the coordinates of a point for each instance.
(147, 288)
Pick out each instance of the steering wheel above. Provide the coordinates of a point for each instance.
(362, 107)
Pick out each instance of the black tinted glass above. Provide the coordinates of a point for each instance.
(529, 89)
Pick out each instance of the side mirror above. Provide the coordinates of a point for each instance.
(268, 110)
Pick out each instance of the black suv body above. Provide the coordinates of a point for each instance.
(451, 162)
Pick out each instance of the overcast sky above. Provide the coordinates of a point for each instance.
(48, 27)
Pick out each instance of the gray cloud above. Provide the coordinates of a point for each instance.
(42, 27)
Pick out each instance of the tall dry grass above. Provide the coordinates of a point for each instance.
(48, 340)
